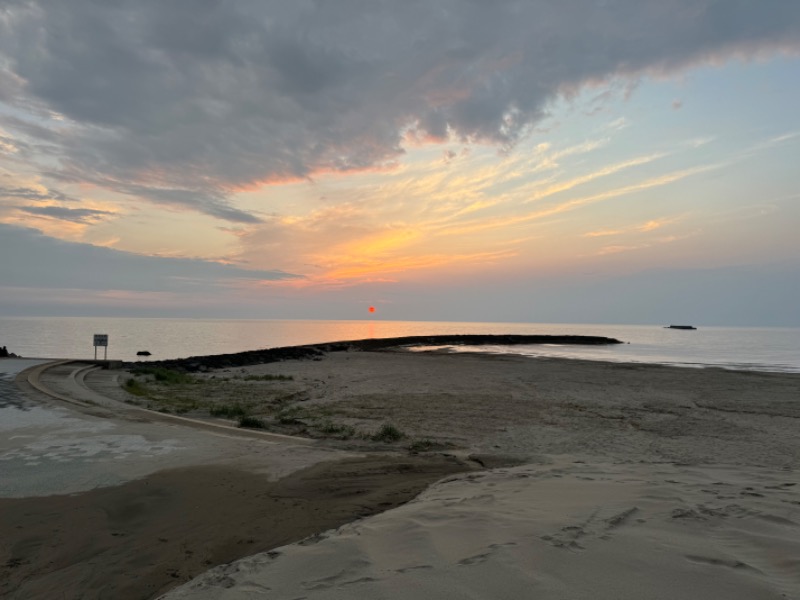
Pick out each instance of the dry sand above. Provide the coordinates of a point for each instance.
(559, 531)
(638, 482)
(525, 408)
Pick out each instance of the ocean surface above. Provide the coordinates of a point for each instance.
(759, 349)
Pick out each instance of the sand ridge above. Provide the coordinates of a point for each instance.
(562, 530)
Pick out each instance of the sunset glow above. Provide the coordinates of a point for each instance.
(486, 169)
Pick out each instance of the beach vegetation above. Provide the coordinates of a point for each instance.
(229, 411)
(388, 433)
(341, 431)
(291, 416)
(425, 445)
(249, 422)
(166, 376)
(268, 378)
(135, 387)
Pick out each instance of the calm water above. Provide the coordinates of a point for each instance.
(763, 349)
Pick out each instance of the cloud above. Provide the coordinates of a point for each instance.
(645, 227)
(32, 260)
(210, 202)
(485, 225)
(75, 215)
(183, 103)
(33, 194)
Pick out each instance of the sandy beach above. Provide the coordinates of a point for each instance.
(556, 479)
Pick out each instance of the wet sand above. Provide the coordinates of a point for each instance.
(136, 540)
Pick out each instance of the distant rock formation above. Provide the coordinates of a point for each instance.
(316, 351)
(4, 353)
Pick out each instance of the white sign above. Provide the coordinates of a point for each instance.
(101, 339)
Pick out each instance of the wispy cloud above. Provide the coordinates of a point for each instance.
(646, 227)
(650, 243)
(33, 193)
(785, 137)
(588, 177)
(700, 141)
(75, 215)
(575, 203)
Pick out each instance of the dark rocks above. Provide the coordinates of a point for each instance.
(4, 353)
(317, 351)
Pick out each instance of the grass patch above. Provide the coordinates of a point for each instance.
(290, 416)
(251, 422)
(388, 433)
(132, 386)
(166, 376)
(231, 411)
(344, 432)
(422, 446)
(268, 378)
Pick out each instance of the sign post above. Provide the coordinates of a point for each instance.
(101, 339)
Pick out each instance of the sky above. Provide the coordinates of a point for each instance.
(597, 161)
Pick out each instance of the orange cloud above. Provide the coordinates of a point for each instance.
(255, 185)
(651, 225)
(371, 268)
(380, 243)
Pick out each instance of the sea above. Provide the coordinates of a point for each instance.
(770, 349)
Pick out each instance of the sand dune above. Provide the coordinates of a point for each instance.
(562, 530)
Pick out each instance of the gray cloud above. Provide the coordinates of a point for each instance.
(38, 261)
(183, 102)
(211, 201)
(75, 215)
(32, 194)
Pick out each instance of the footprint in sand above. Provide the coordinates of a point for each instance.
(720, 562)
(569, 535)
(479, 558)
